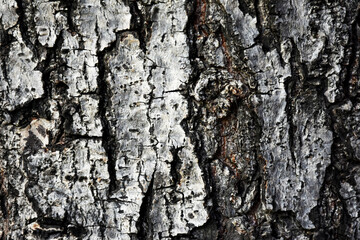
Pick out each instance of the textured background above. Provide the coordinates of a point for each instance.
(179, 119)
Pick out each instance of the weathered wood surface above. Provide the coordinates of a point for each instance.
(179, 119)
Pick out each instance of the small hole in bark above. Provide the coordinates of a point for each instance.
(82, 179)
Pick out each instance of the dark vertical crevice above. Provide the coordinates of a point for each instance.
(289, 109)
(290, 85)
(47, 66)
(175, 166)
(353, 61)
(143, 224)
(268, 26)
(329, 190)
(104, 93)
(258, 18)
(5, 41)
(70, 6)
(338, 171)
(247, 6)
(3, 197)
(331, 215)
(259, 25)
(192, 11)
(154, 141)
(139, 23)
(195, 27)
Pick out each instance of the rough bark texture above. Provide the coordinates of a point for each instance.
(179, 119)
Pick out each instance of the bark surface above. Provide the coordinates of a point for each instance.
(179, 119)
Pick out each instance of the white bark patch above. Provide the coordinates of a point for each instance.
(8, 14)
(23, 82)
(48, 22)
(135, 156)
(97, 21)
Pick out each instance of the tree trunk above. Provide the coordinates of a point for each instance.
(179, 119)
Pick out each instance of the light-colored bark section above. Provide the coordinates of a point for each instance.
(144, 112)
(135, 157)
(20, 83)
(149, 108)
(180, 208)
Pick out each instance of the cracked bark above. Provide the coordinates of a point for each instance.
(184, 119)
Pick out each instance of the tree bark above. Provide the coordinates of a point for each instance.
(179, 119)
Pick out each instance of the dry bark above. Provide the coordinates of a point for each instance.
(179, 119)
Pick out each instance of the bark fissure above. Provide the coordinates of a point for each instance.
(142, 224)
(139, 24)
(354, 49)
(291, 95)
(259, 25)
(108, 140)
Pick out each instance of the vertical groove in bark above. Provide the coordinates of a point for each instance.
(143, 224)
(108, 140)
(352, 61)
(139, 24)
(292, 85)
(196, 12)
